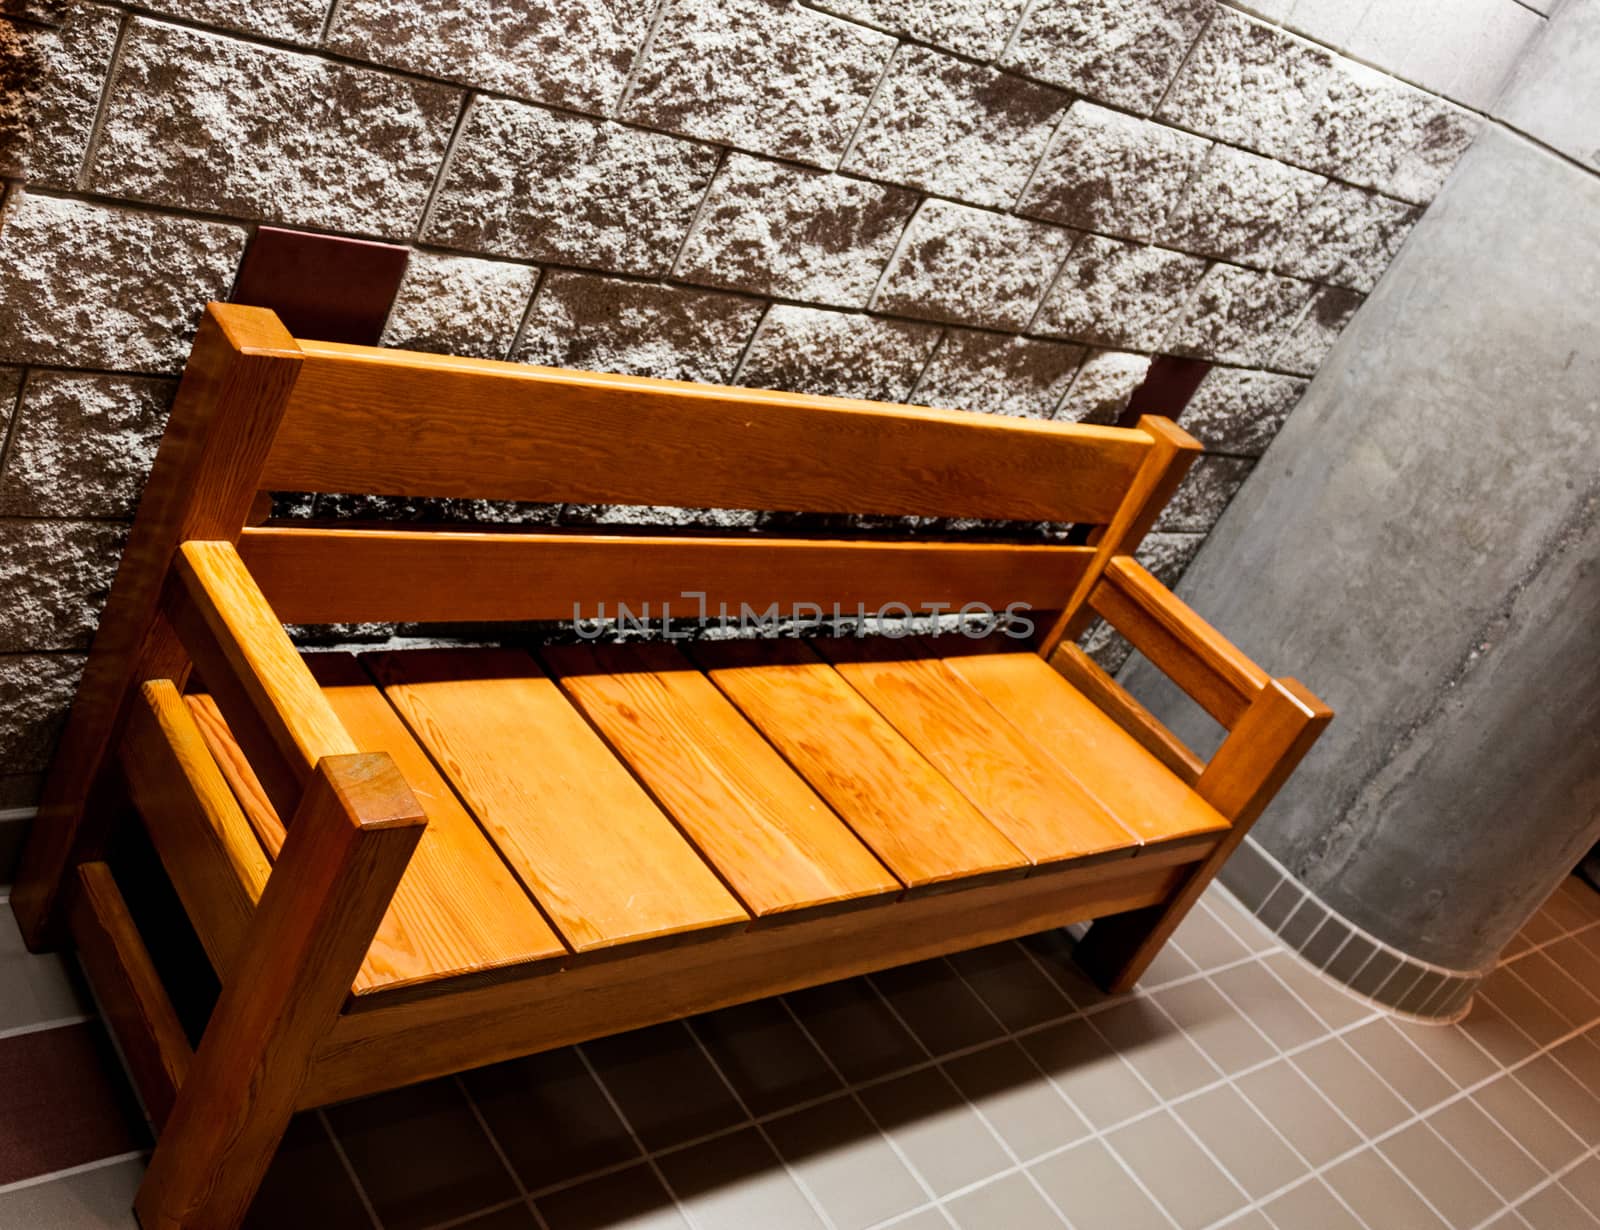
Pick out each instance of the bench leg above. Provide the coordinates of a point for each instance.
(346, 850)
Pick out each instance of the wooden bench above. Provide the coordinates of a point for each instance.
(410, 863)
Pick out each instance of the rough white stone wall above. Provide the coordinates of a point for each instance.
(1006, 206)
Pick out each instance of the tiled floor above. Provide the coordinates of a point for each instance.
(993, 1091)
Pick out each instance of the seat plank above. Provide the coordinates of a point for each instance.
(922, 827)
(1133, 785)
(602, 860)
(774, 842)
(1045, 812)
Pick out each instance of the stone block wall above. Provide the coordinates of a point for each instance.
(1004, 206)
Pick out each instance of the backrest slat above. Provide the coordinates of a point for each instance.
(397, 423)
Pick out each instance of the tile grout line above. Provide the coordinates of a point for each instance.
(349, 1167)
(499, 1152)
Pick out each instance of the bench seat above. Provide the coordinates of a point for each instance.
(591, 797)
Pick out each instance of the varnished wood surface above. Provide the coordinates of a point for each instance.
(354, 575)
(400, 423)
(772, 840)
(1042, 810)
(601, 859)
(1085, 674)
(922, 827)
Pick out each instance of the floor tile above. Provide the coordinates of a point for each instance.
(1207, 941)
(1347, 962)
(631, 1199)
(1012, 1202)
(936, 1130)
(1176, 1171)
(1239, 920)
(1278, 907)
(1371, 976)
(1011, 983)
(1245, 1144)
(1526, 1121)
(1156, 1048)
(1541, 928)
(1450, 1048)
(1287, 1101)
(1379, 1196)
(735, 1182)
(1509, 1220)
(1168, 966)
(940, 1009)
(1053, 951)
(1250, 1219)
(1005, 1085)
(98, 1199)
(766, 1056)
(1094, 1078)
(1518, 1002)
(1553, 1208)
(1583, 1181)
(420, 1155)
(1573, 905)
(1402, 1066)
(1311, 1206)
(35, 987)
(1487, 1026)
(550, 1117)
(838, 1153)
(1302, 924)
(1571, 1103)
(1324, 942)
(1447, 1182)
(1352, 1087)
(1581, 1057)
(1496, 1158)
(926, 1219)
(855, 1029)
(512, 1217)
(1557, 988)
(307, 1185)
(1219, 1029)
(1327, 999)
(1577, 960)
(1269, 1005)
(665, 1086)
(1091, 1187)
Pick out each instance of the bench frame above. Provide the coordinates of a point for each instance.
(286, 1033)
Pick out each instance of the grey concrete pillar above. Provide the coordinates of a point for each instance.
(1421, 545)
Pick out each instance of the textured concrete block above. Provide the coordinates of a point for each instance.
(459, 305)
(1247, 83)
(59, 110)
(1303, 350)
(995, 374)
(1119, 294)
(1122, 52)
(55, 576)
(1239, 316)
(609, 325)
(763, 75)
(971, 266)
(1204, 493)
(573, 52)
(94, 286)
(1112, 173)
(293, 21)
(1347, 238)
(781, 230)
(1239, 412)
(1167, 555)
(1239, 206)
(977, 28)
(217, 124)
(1440, 136)
(83, 445)
(10, 387)
(1105, 382)
(955, 128)
(527, 182)
(35, 691)
(807, 350)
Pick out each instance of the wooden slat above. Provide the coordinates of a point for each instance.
(1187, 649)
(921, 826)
(1085, 674)
(386, 1045)
(1040, 809)
(601, 859)
(770, 838)
(1134, 786)
(129, 991)
(399, 423)
(206, 844)
(355, 575)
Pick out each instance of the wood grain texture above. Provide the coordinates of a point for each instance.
(474, 427)
(1086, 675)
(1129, 782)
(129, 992)
(384, 1046)
(771, 839)
(1040, 809)
(347, 849)
(355, 575)
(595, 852)
(921, 827)
(208, 847)
(237, 382)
